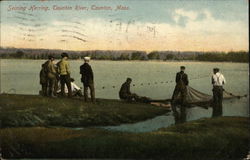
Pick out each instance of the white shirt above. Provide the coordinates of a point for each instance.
(218, 79)
(74, 87)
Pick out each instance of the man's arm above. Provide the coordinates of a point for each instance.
(212, 80)
(187, 80)
(52, 68)
(128, 89)
(223, 79)
(58, 67)
(177, 78)
(91, 73)
(81, 72)
(67, 67)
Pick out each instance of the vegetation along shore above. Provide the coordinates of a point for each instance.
(31, 110)
(218, 138)
(215, 56)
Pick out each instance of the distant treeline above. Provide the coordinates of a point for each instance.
(239, 56)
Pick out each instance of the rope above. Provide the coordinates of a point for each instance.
(154, 83)
(238, 96)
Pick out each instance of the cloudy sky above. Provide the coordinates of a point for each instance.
(182, 25)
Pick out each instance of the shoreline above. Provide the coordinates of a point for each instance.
(93, 60)
(33, 110)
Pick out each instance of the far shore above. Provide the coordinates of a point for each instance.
(170, 61)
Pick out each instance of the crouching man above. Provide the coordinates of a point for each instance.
(126, 95)
(76, 91)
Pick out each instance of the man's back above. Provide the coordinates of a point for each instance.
(181, 78)
(218, 79)
(63, 67)
(87, 73)
(51, 69)
(43, 75)
(125, 89)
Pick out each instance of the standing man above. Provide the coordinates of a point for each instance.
(180, 95)
(218, 81)
(44, 80)
(64, 72)
(52, 80)
(44, 77)
(87, 79)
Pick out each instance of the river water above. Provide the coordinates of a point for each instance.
(150, 78)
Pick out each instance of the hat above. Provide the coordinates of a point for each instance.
(50, 57)
(64, 54)
(183, 67)
(129, 79)
(87, 58)
(216, 69)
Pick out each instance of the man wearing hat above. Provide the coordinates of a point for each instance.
(87, 79)
(218, 80)
(52, 74)
(64, 72)
(179, 95)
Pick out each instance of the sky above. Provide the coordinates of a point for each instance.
(181, 25)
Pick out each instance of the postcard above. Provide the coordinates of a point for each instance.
(124, 79)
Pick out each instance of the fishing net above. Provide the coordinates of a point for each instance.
(196, 97)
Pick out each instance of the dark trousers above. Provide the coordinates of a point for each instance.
(179, 95)
(65, 79)
(52, 86)
(44, 89)
(179, 99)
(217, 101)
(92, 91)
(129, 97)
(181, 116)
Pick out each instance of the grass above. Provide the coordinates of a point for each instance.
(216, 138)
(28, 111)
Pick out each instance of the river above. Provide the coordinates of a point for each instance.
(150, 78)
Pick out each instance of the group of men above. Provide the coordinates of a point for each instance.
(52, 73)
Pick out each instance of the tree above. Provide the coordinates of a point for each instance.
(169, 56)
(124, 57)
(154, 55)
(19, 54)
(138, 55)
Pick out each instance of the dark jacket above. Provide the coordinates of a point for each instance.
(44, 73)
(125, 90)
(87, 74)
(181, 78)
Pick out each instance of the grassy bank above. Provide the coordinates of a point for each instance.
(27, 110)
(218, 138)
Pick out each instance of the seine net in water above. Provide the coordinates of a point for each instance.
(198, 98)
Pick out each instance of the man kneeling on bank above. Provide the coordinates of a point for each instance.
(126, 95)
(76, 91)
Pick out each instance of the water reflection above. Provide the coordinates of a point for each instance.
(145, 126)
(230, 108)
(179, 113)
